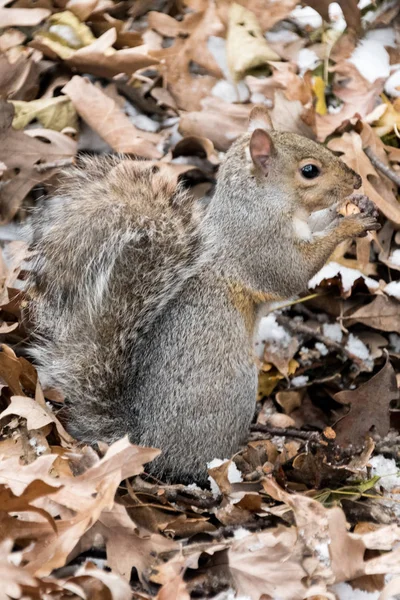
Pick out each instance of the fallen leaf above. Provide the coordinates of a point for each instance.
(110, 122)
(53, 113)
(369, 407)
(30, 410)
(22, 17)
(22, 154)
(246, 47)
(351, 147)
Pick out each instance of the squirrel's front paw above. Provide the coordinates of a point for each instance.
(358, 225)
(364, 204)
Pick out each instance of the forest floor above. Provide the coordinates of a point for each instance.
(310, 508)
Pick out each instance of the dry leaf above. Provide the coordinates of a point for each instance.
(53, 113)
(110, 122)
(246, 47)
(351, 147)
(21, 153)
(369, 407)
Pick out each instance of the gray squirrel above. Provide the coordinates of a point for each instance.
(146, 307)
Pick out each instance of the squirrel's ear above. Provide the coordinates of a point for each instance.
(260, 119)
(261, 148)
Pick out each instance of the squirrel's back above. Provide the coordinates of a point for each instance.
(111, 250)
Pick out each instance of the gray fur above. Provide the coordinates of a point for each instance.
(137, 318)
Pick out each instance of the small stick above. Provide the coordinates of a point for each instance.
(287, 431)
(57, 164)
(390, 174)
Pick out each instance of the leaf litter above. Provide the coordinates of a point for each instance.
(310, 507)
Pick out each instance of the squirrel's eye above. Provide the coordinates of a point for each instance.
(310, 171)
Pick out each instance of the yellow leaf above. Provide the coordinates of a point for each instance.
(390, 120)
(293, 365)
(52, 113)
(65, 35)
(319, 91)
(246, 47)
(267, 382)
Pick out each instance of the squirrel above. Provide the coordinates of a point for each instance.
(145, 305)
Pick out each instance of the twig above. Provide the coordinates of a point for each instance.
(176, 493)
(390, 174)
(287, 432)
(57, 164)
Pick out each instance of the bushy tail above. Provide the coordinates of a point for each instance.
(112, 250)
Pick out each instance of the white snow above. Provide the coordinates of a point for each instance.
(307, 60)
(230, 92)
(393, 289)
(347, 275)
(356, 347)
(241, 533)
(273, 333)
(283, 36)
(385, 36)
(145, 123)
(344, 591)
(234, 475)
(371, 60)
(332, 331)
(259, 98)
(322, 349)
(322, 551)
(217, 47)
(395, 256)
(299, 381)
(388, 471)
(392, 86)
(306, 16)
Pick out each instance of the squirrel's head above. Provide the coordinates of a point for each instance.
(308, 172)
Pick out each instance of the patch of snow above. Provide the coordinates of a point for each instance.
(283, 36)
(230, 92)
(332, 331)
(334, 110)
(387, 469)
(385, 36)
(241, 533)
(273, 333)
(392, 85)
(371, 59)
(306, 16)
(217, 47)
(347, 275)
(322, 551)
(145, 123)
(307, 60)
(194, 486)
(344, 591)
(39, 448)
(299, 381)
(356, 347)
(256, 546)
(258, 98)
(322, 349)
(393, 289)
(338, 22)
(394, 340)
(395, 256)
